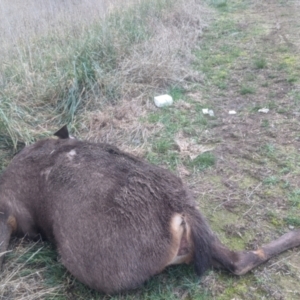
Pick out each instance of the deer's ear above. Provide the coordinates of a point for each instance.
(62, 133)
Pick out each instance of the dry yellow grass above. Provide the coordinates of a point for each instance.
(22, 21)
(62, 60)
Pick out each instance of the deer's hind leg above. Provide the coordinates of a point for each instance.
(8, 225)
(241, 262)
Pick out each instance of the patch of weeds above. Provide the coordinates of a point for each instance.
(272, 104)
(219, 3)
(222, 85)
(181, 281)
(294, 198)
(228, 6)
(295, 96)
(177, 93)
(282, 110)
(250, 77)
(153, 118)
(162, 145)
(173, 119)
(200, 120)
(271, 180)
(237, 289)
(283, 48)
(216, 61)
(286, 184)
(260, 63)
(285, 170)
(274, 219)
(292, 79)
(269, 149)
(170, 159)
(254, 108)
(244, 90)
(271, 95)
(202, 161)
(265, 123)
(292, 220)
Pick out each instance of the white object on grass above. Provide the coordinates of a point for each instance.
(163, 100)
(207, 111)
(264, 110)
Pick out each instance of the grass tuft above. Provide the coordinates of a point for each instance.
(203, 161)
(247, 90)
(260, 63)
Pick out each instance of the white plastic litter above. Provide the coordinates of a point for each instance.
(163, 100)
(264, 110)
(232, 112)
(207, 111)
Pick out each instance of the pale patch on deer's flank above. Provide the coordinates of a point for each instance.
(12, 223)
(180, 231)
(71, 154)
(46, 172)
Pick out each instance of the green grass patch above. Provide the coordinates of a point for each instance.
(162, 145)
(202, 161)
(294, 198)
(177, 93)
(271, 180)
(260, 63)
(244, 90)
(175, 120)
(292, 220)
(275, 219)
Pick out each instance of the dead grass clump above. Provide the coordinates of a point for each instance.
(162, 59)
(152, 65)
(122, 125)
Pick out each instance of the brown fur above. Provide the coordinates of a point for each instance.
(115, 219)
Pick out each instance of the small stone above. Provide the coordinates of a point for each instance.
(232, 112)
